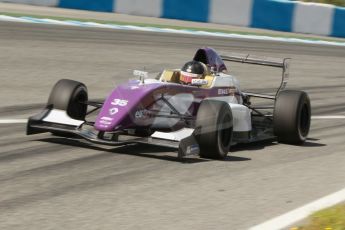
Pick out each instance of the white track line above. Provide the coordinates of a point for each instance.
(298, 214)
(13, 121)
(329, 117)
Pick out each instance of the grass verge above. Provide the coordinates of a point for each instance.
(332, 218)
(332, 2)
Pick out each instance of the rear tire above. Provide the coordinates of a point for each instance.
(70, 96)
(214, 124)
(292, 113)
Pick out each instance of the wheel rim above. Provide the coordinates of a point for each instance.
(225, 132)
(77, 106)
(304, 122)
(81, 97)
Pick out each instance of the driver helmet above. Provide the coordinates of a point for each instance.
(192, 70)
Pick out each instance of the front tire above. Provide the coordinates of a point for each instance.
(70, 96)
(214, 124)
(292, 115)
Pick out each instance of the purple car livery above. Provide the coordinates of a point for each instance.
(205, 117)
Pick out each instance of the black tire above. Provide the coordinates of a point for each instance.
(214, 126)
(70, 96)
(291, 118)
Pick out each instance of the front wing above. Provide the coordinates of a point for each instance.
(44, 122)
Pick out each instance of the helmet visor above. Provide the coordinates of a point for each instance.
(187, 77)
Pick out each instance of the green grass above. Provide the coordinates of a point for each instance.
(333, 2)
(328, 219)
(168, 26)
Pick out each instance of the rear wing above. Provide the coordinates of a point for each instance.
(283, 63)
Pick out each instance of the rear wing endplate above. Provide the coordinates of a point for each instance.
(283, 63)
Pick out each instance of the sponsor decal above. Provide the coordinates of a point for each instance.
(199, 82)
(134, 87)
(105, 122)
(119, 102)
(107, 118)
(187, 74)
(192, 149)
(140, 114)
(113, 111)
(227, 91)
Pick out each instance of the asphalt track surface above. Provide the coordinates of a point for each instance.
(49, 182)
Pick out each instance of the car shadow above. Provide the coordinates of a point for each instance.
(312, 144)
(236, 158)
(312, 139)
(156, 152)
(140, 150)
(252, 146)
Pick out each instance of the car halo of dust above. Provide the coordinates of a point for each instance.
(203, 118)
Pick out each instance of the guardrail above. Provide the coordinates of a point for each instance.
(281, 15)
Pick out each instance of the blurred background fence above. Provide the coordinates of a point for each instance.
(281, 15)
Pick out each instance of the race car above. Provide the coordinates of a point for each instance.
(199, 109)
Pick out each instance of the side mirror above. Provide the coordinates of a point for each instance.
(140, 74)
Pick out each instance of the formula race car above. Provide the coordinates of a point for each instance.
(199, 109)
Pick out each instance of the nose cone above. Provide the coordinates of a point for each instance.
(118, 107)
